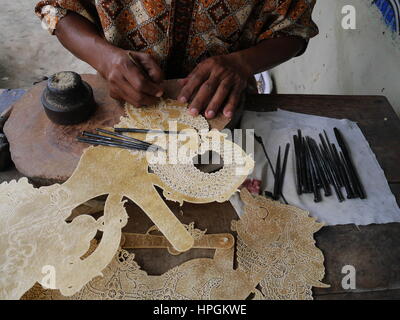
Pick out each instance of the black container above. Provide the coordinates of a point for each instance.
(68, 99)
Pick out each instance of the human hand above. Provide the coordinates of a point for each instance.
(127, 82)
(215, 82)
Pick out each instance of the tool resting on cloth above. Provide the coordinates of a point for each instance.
(277, 128)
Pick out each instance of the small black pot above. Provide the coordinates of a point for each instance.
(68, 99)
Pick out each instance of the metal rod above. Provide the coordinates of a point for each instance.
(336, 187)
(110, 139)
(105, 138)
(323, 163)
(338, 175)
(122, 136)
(303, 164)
(110, 144)
(136, 130)
(282, 177)
(346, 174)
(319, 167)
(277, 175)
(347, 187)
(298, 167)
(309, 183)
(142, 70)
(317, 194)
(261, 142)
(329, 150)
(325, 153)
(349, 163)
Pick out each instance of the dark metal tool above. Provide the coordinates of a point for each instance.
(101, 142)
(298, 165)
(323, 163)
(335, 175)
(352, 170)
(122, 136)
(309, 183)
(110, 139)
(339, 174)
(116, 140)
(269, 194)
(303, 163)
(277, 175)
(138, 65)
(136, 130)
(320, 165)
(261, 142)
(325, 152)
(319, 168)
(331, 173)
(283, 171)
(346, 176)
(313, 173)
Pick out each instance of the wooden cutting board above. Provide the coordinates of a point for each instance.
(48, 153)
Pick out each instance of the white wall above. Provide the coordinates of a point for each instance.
(364, 61)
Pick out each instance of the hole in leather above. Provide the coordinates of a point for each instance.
(208, 162)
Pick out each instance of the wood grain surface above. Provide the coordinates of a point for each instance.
(373, 250)
(48, 153)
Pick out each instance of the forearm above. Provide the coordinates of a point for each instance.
(269, 53)
(82, 38)
(126, 81)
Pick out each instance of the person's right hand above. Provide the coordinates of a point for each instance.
(127, 82)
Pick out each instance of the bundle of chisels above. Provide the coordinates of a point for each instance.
(322, 165)
(118, 140)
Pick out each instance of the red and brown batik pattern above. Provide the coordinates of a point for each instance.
(180, 33)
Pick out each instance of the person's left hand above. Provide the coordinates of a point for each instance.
(215, 82)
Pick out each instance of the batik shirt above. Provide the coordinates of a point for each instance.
(181, 33)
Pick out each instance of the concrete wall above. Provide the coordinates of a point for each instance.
(27, 52)
(363, 61)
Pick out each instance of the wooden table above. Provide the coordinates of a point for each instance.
(373, 250)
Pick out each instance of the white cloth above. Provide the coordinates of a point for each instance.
(277, 129)
(264, 82)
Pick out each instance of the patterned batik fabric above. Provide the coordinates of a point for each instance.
(181, 33)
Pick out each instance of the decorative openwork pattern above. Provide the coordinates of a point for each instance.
(33, 228)
(275, 249)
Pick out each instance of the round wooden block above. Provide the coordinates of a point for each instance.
(46, 152)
